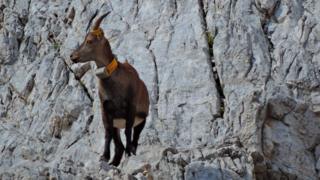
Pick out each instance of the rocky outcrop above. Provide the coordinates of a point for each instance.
(234, 88)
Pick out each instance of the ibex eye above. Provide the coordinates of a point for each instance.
(89, 41)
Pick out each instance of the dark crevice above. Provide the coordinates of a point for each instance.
(175, 8)
(84, 88)
(79, 80)
(241, 113)
(264, 23)
(155, 88)
(312, 150)
(85, 131)
(251, 60)
(70, 17)
(14, 4)
(267, 36)
(85, 7)
(29, 5)
(156, 77)
(136, 10)
(210, 40)
(4, 147)
(267, 16)
(203, 12)
(250, 55)
(17, 93)
(29, 86)
(2, 7)
(22, 21)
(75, 141)
(88, 123)
(91, 19)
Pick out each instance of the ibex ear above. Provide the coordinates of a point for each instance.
(98, 33)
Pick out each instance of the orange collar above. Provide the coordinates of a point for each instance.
(110, 68)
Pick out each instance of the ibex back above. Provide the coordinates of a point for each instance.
(123, 95)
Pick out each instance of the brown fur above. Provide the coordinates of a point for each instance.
(123, 95)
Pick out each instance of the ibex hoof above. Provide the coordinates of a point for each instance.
(130, 149)
(103, 158)
(114, 163)
(133, 150)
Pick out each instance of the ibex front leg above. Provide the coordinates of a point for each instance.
(118, 148)
(108, 126)
(128, 130)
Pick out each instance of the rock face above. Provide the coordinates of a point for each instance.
(234, 89)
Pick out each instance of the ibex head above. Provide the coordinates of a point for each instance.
(95, 47)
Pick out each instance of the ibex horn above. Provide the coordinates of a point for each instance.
(98, 22)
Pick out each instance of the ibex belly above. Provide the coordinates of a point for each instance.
(121, 123)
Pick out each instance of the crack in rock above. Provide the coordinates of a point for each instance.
(79, 80)
(210, 41)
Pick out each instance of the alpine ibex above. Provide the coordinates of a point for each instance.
(123, 95)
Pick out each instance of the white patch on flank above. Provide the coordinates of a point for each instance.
(121, 123)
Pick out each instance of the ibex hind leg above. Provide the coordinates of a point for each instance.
(136, 134)
(128, 129)
(118, 148)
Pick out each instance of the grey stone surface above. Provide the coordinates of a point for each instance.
(234, 89)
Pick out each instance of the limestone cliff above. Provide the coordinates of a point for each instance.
(234, 88)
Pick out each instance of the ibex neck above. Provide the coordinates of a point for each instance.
(105, 60)
(106, 71)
